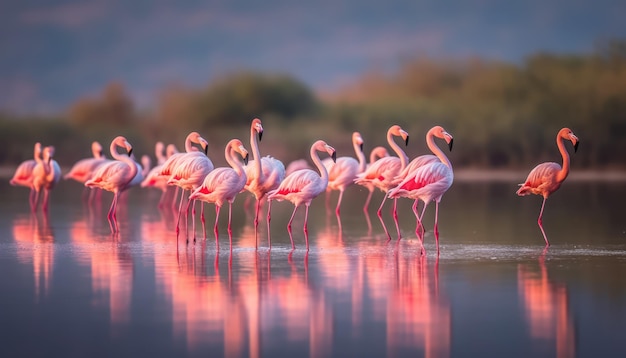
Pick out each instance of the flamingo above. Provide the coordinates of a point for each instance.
(24, 173)
(342, 173)
(302, 186)
(375, 154)
(223, 184)
(154, 178)
(178, 168)
(547, 177)
(264, 174)
(430, 181)
(383, 173)
(45, 176)
(83, 169)
(421, 161)
(115, 176)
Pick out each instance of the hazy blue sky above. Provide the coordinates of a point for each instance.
(52, 52)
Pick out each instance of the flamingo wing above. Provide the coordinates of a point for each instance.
(541, 180)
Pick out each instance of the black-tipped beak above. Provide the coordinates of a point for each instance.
(260, 135)
(206, 150)
(361, 147)
(334, 156)
(130, 152)
(245, 159)
(576, 147)
(450, 144)
(49, 160)
(406, 141)
(101, 154)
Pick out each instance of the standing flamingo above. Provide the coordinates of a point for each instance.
(186, 169)
(154, 178)
(115, 176)
(547, 177)
(375, 154)
(383, 173)
(223, 184)
(302, 186)
(83, 169)
(45, 176)
(430, 181)
(24, 173)
(342, 173)
(264, 174)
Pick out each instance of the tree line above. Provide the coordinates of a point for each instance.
(504, 115)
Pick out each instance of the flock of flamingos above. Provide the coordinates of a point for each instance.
(424, 178)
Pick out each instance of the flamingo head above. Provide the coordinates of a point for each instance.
(194, 137)
(399, 132)
(358, 140)
(96, 149)
(439, 132)
(170, 150)
(567, 134)
(121, 141)
(258, 127)
(159, 147)
(37, 153)
(239, 148)
(48, 153)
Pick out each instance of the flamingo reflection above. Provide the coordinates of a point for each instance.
(547, 309)
(111, 269)
(34, 232)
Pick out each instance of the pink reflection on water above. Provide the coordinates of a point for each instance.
(547, 309)
(111, 269)
(34, 232)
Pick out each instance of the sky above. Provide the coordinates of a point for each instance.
(55, 52)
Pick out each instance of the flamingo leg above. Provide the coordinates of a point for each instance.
(540, 222)
(34, 201)
(46, 196)
(367, 201)
(180, 210)
(230, 216)
(256, 214)
(289, 226)
(418, 223)
(419, 219)
(380, 208)
(306, 231)
(339, 202)
(436, 228)
(217, 216)
(269, 218)
(395, 217)
(161, 199)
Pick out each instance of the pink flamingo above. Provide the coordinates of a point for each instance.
(45, 176)
(264, 174)
(180, 171)
(223, 184)
(547, 177)
(375, 154)
(383, 173)
(154, 178)
(302, 186)
(24, 173)
(342, 173)
(115, 176)
(83, 169)
(430, 181)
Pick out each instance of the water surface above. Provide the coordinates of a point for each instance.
(70, 288)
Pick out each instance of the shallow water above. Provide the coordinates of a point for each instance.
(70, 288)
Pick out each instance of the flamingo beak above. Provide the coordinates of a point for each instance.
(406, 141)
(245, 159)
(576, 146)
(334, 157)
(361, 146)
(206, 150)
(130, 151)
(260, 135)
(450, 144)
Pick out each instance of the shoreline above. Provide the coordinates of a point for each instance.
(469, 175)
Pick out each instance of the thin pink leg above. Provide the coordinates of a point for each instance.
(337, 211)
(289, 226)
(217, 216)
(540, 222)
(380, 208)
(269, 218)
(395, 216)
(436, 228)
(33, 205)
(180, 210)
(46, 197)
(306, 231)
(419, 219)
(367, 201)
(256, 214)
(230, 215)
(31, 197)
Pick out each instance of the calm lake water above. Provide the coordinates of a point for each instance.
(70, 289)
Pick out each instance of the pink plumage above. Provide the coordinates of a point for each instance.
(223, 184)
(343, 173)
(23, 175)
(546, 178)
(302, 186)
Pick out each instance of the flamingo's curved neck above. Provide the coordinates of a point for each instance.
(430, 142)
(318, 163)
(124, 158)
(360, 155)
(230, 155)
(255, 151)
(396, 148)
(562, 174)
(188, 147)
(37, 152)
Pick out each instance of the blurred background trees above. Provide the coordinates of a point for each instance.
(502, 115)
